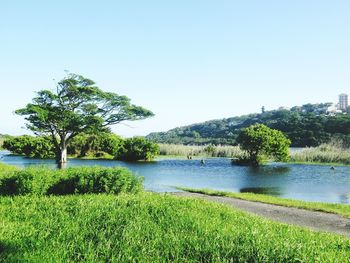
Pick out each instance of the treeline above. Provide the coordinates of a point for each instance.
(308, 125)
(102, 145)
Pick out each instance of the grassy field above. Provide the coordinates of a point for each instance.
(151, 228)
(340, 209)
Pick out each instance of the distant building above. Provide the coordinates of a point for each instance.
(283, 108)
(332, 109)
(343, 102)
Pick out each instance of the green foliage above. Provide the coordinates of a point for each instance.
(138, 148)
(2, 139)
(152, 228)
(77, 106)
(308, 125)
(85, 145)
(82, 180)
(100, 145)
(341, 209)
(210, 149)
(261, 142)
(36, 147)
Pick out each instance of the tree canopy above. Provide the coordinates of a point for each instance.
(308, 125)
(77, 105)
(261, 142)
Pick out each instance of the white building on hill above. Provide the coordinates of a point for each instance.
(343, 101)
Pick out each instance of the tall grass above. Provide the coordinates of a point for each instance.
(332, 152)
(195, 150)
(2, 139)
(79, 180)
(152, 228)
(336, 151)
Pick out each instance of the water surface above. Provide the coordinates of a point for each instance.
(297, 181)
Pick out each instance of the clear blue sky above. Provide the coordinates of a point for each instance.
(188, 61)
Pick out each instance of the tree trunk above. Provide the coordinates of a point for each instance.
(61, 156)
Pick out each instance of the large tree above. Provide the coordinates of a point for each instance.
(260, 142)
(77, 105)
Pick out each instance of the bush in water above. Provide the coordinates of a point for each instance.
(138, 148)
(35, 147)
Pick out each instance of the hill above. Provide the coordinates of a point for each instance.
(307, 125)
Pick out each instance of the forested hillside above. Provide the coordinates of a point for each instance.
(308, 125)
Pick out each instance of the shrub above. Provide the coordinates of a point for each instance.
(138, 148)
(97, 145)
(261, 142)
(35, 147)
(96, 180)
(70, 181)
(210, 150)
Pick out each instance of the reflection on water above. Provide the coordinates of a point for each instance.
(261, 190)
(344, 198)
(269, 170)
(304, 182)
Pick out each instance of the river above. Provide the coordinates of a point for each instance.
(296, 181)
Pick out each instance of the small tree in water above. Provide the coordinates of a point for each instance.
(77, 105)
(260, 142)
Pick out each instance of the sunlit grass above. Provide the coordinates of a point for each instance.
(151, 228)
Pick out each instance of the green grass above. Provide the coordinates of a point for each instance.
(199, 150)
(5, 168)
(151, 228)
(340, 209)
(330, 153)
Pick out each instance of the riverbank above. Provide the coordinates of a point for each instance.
(318, 221)
(332, 153)
(319, 163)
(152, 227)
(340, 209)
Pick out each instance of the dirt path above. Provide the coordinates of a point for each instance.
(315, 220)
